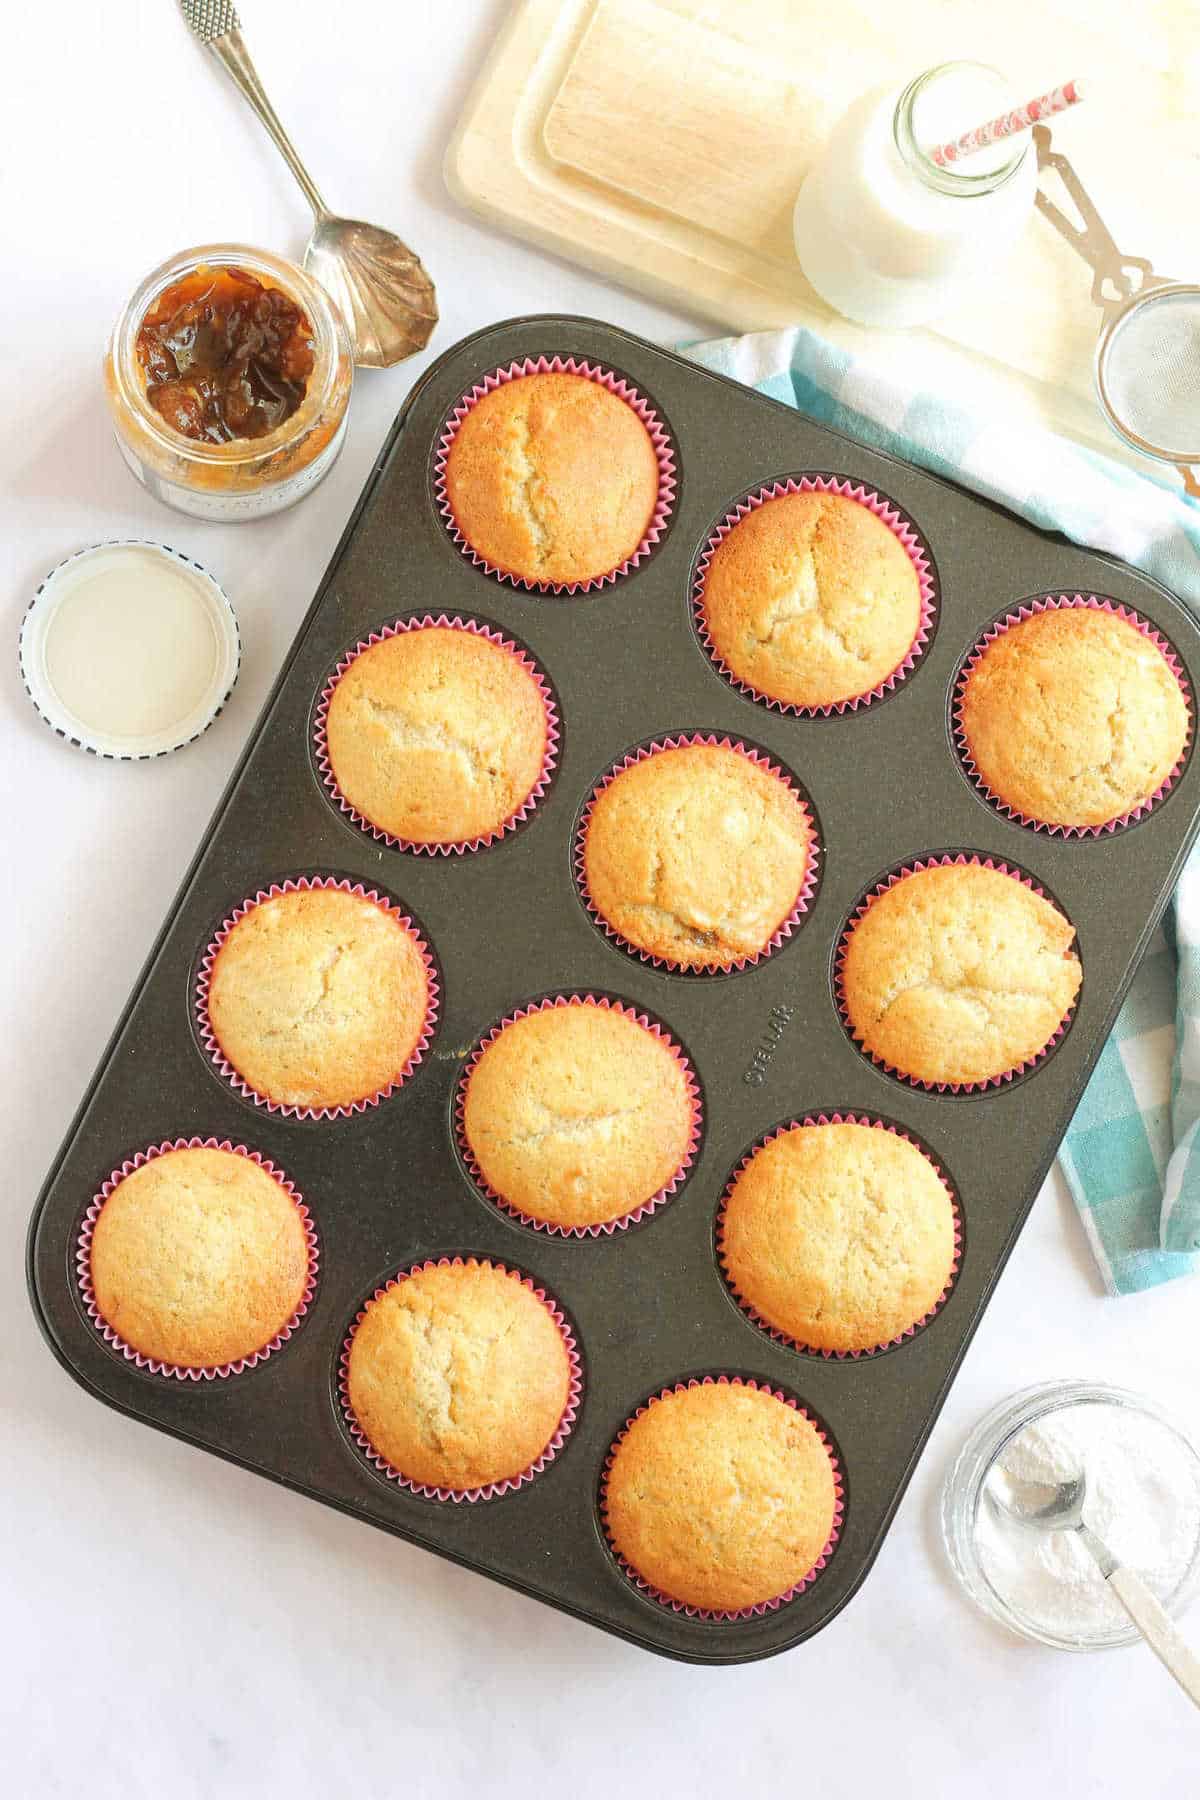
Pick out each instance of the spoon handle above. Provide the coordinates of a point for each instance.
(1159, 1631)
(1150, 1617)
(216, 24)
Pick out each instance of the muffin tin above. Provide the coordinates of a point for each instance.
(506, 924)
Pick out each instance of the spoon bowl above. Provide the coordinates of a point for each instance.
(378, 285)
(1038, 1505)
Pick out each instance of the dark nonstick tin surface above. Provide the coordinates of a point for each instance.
(386, 1188)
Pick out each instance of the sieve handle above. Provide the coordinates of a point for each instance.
(1125, 275)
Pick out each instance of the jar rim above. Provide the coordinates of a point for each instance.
(328, 331)
(957, 183)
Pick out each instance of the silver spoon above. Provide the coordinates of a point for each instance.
(385, 296)
(1051, 1506)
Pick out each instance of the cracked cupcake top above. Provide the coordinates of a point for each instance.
(959, 974)
(199, 1258)
(839, 1235)
(697, 854)
(721, 1496)
(578, 1115)
(1073, 716)
(811, 599)
(552, 478)
(458, 1375)
(437, 735)
(318, 998)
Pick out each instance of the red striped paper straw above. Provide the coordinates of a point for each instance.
(1022, 118)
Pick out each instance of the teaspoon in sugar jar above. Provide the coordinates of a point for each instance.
(1058, 1506)
(385, 296)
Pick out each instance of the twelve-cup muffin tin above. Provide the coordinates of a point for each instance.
(387, 1186)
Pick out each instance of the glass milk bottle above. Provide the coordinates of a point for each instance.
(889, 237)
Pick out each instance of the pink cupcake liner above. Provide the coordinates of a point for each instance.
(83, 1262)
(783, 1337)
(941, 1087)
(451, 622)
(807, 888)
(1056, 603)
(608, 1226)
(208, 1037)
(763, 1607)
(897, 523)
(492, 1489)
(624, 390)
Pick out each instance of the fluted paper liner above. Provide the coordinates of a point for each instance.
(493, 1489)
(83, 1262)
(762, 1607)
(624, 390)
(1057, 603)
(211, 1043)
(773, 1331)
(607, 1226)
(800, 906)
(902, 529)
(449, 622)
(915, 1081)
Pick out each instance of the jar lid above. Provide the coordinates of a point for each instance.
(129, 649)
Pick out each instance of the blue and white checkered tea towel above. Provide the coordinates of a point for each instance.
(1132, 1154)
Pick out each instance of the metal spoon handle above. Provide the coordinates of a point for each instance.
(1150, 1617)
(217, 25)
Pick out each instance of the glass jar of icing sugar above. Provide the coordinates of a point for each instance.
(888, 236)
(1143, 1501)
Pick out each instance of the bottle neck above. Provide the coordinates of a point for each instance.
(941, 95)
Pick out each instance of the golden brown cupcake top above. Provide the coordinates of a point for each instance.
(437, 735)
(811, 599)
(959, 973)
(318, 998)
(839, 1235)
(199, 1258)
(1073, 717)
(458, 1375)
(552, 478)
(697, 855)
(721, 1496)
(577, 1114)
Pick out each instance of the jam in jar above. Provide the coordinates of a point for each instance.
(228, 378)
(225, 356)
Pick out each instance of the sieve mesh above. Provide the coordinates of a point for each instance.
(1149, 374)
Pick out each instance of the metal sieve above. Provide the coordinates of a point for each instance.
(1148, 353)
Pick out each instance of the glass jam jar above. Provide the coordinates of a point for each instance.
(887, 236)
(245, 477)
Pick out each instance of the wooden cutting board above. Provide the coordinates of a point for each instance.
(662, 142)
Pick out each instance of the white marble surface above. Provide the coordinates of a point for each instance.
(173, 1626)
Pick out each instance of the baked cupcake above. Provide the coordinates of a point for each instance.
(957, 974)
(698, 854)
(438, 734)
(577, 1114)
(720, 1496)
(1072, 717)
(318, 998)
(811, 600)
(458, 1376)
(552, 478)
(838, 1234)
(199, 1258)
